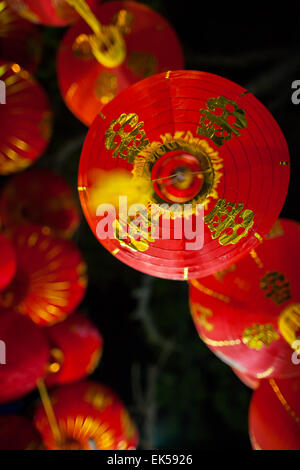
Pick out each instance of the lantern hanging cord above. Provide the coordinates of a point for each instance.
(176, 174)
(49, 409)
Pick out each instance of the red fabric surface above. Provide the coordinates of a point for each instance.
(20, 41)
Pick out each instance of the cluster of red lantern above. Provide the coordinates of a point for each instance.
(43, 275)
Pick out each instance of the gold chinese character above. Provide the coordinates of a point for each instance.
(200, 314)
(126, 137)
(257, 336)
(277, 287)
(219, 225)
(218, 127)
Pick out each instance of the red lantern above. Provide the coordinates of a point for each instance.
(25, 119)
(248, 314)
(17, 433)
(89, 416)
(76, 348)
(24, 356)
(153, 144)
(41, 197)
(20, 41)
(247, 380)
(8, 261)
(274, 416)
(51, 276)
(46, 12)
(151, 47)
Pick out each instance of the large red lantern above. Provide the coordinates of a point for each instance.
(274, 416)
(41, 197)
(76, 348)
(20, 41)
(46, 12)
(25, 119)
(248, 314)
(247, 380)
(18, 433)
(24, 355)
(8, 261)
(151, 46)
(89, 416)
(51, 276)
(184, 138)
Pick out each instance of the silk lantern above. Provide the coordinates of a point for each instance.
(20, 41)
(274, 416)
(183, 138)
(26, 119)
(24, 355)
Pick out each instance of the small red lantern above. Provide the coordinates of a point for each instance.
(151, 47)
(183, 138)
(89, 416)
(41, 197)
(24, 355)
(51, 276)
(274, 415)
(25, 119)
(247, 380)
(46, 12)
(248, 314)
(20, 41)
(8, 261)
(76, 348)
(18, 433)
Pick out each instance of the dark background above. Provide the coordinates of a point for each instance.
(180, 394)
